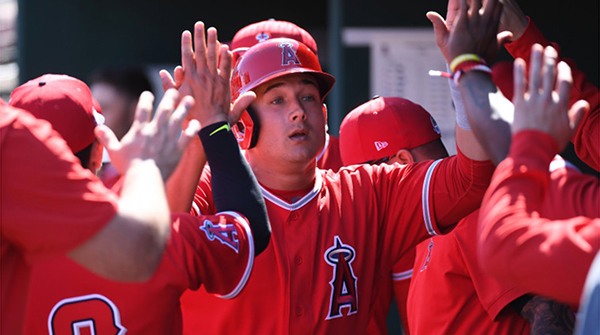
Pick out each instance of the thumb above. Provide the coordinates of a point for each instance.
(107, 138)
(166, 80)
(240, 105)
(439, 24)
(503, 38)
(576, 113)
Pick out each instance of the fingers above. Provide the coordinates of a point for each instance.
(107, 138)
(200, 46)
(188, 135)
(212, 50)
(179, 75)
(535, 69)
(576, 113)
(165, 107)
(166, 80)
(549, 71)
(181, 112)
(564, 80)
(519, 80)
(187, 53)
(225, 62)
(240, 105)
(143, 110)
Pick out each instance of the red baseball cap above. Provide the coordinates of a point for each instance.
(65, 102)
(382, 126)
(261, 31)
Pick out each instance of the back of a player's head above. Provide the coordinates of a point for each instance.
(66, 103)
(264, 30)
(382, 126)
(130, 81)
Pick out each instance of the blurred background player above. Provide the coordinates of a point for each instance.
(117, 90)
(117, 237)
(529, 232)
(449, 293)
(261, 31)
(65, 296)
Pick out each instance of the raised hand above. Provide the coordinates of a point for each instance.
(543, 103)
(469, 29)
(155, 138)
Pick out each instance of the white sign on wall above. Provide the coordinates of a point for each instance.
(400, 60)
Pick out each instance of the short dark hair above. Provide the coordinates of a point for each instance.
(131, 81)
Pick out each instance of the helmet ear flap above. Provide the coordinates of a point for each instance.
(246, 129)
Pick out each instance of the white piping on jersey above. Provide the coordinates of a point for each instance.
(325, 147)
(196, 208)
(300, 202)
(402, 275)
(250, 262)
(425, 198)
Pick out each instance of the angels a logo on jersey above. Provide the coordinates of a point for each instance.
(288, 55)
(343, 283)
(428, 257)
(87, 314)
(225, 233)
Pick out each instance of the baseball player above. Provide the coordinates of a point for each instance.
(334, 234)
(117, 237)
(84, 302)
(449, 292)
(261, 31)
(521, 241)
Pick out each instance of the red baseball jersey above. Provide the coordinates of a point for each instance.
(538, 234)
(329, 246)
(49, 205)
(216, 252)
(394, 285)
(451, 294)
(587, 138)
(330, 157)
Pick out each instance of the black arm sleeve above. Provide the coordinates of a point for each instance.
(234, 186)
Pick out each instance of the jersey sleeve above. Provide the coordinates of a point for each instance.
(587, 137)
(50, 204)
(217, 251)
(203, 199)
(493, 295)
(518, 242)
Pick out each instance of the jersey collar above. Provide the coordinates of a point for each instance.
(298, 203)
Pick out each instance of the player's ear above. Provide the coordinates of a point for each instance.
(404, 157)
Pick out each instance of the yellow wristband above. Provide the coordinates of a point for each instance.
(463, 58)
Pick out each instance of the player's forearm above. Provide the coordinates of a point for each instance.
(234, 186)
(488, 112)
(130, 247)
(181, 185)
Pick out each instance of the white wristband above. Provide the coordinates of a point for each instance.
(459, 106)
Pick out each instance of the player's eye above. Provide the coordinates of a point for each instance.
(309, 97)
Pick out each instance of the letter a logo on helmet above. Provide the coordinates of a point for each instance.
(268, 60)
(288, 54)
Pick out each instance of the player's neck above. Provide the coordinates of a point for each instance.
(284, 177)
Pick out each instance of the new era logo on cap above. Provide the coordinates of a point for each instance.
(380, 145)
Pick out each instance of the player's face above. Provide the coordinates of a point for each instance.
(292, 124)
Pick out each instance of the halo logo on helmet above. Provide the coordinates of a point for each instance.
(263, 62)
(262, 37)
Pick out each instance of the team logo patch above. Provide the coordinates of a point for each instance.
(288, 55)
(380, 145)
(428, 257)
(343, 284)
(225, 233)
(262, 37)
(87, 314)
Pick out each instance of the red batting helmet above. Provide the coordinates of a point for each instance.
(266, 61)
